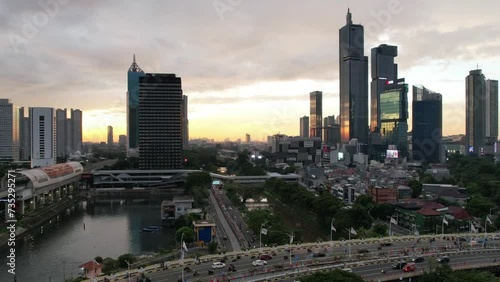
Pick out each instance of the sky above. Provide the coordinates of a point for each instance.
(246, 66)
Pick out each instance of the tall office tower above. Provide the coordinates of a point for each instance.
(76, 131)
(110, 135)
(68, 136)
(427, 120)
(331, 131)
(61, 135)
(247, 138)
(475, 112)
(122, 140)
(133, 75)
(160, 122)
(491, 111)
(383, 71)
(304, 126)
(43, 137)
(24, 136)
(316, 114)
(394, 115)
(185, 122)
(9, 131)
(353, 83)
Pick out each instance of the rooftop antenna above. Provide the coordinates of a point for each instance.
(134, 58)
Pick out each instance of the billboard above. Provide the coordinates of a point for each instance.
(341, 156)
(392, 154)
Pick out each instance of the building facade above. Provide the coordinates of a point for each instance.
(383, 71)
(9, 131)
(353, 83)
(427, 121)
(475, 112)
(122, 140)
(185, 122)
(394, 116)
(24, 136)
(296, 151)
(331, 131)
(491, 111)
(43, 137)
(76, 131)
(110, 135)
(133, 75)
(316, 113)
(61, 134)
(160, 121)
(304, 126)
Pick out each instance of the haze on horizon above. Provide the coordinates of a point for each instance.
(246, 66)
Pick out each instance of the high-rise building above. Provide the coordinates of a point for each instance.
(394, 115)
(304, 126)
(110, 135)
(62, 148)
(353, 83)
(331, 131)
(427, 120)
(122, 140)
(76, 131)
(383, 71)
(133, 75)
(475, 112)
(316, 113)
(43, 137)
(9, 131)
(185, 122)
(491, 110)
(247, 138)
(24, 136)
(160, 121)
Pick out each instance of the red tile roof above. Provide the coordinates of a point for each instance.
(91, 265)
(428, 212)
(458, 212)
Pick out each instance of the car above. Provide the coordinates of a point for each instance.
(444, 259)
(224, 237)
(363, 251)
(410, 267)
(418, 259)
(347, 269)
(259, 262)
(265, 257)
(217, 265)
(462, 239)
(319, 255)
(385, 244)
(399, 265)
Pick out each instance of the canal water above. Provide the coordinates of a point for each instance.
(96, 227)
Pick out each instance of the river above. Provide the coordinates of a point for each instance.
(97, 227)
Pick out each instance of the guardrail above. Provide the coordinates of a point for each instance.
(255, 252)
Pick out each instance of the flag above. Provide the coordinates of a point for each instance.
(184, 246)
(473, 228)
(394, 221)
(291, 239)
(263, 231)
(445, 221)
(354, 231)
(488, 220)
(333, 228)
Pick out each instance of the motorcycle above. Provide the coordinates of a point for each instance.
(210, 272)
(195, 273)
(383, 271)
(187, 269)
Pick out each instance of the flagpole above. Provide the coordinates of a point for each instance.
(442, 227)
(182, 256)
(331, 230)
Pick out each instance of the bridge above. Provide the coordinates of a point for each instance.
(298, 260)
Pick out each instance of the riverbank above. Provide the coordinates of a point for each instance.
(40, 216)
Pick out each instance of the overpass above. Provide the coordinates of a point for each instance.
(257, 179)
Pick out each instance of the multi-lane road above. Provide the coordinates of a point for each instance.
(302, 257)
(98, 165)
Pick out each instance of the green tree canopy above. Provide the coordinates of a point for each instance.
(188, 234)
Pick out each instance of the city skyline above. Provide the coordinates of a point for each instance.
(241, 71)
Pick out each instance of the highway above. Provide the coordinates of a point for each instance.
(303, 257)
(90, 167)
(233, 241)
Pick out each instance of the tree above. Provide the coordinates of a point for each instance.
(198, 179)
(382, 211)
(212, 247)
(479, 206)
(98, 259)
(123, 259)
(416, 188)
(365, 201)
(188, 234)
(380, 229)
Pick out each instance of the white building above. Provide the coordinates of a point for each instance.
(9, 131)
(43, 137)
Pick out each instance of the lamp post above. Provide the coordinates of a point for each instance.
(128, 272)
(260, 237)
(331, 230)
(182, 257)
(290, 247)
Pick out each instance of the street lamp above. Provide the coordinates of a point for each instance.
(128, 272)
(260, 237)
(331, 230)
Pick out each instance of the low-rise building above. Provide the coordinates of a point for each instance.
(204, 231)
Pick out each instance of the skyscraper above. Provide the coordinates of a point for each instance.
(475, 112)
(24, 136)
(331, 131)
(383, 71)
(43, 137)
(353, 83)
(185, 122)
(394, 115)
(133, 75)
(9, 131)
(491, 110)
(304, 126)
(62, 149)
(247, 138)
(76, 131)
(427, 126)
(316, 114)
(110, 135)
(122, 140)
(160, 121)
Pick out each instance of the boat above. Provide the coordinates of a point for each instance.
(150, 229)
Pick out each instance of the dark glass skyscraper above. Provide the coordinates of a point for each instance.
(475, 111)
(185, 122)
(427, 123)
(304, 126)
(160, 121)
(133, 75)
(353, 83)
(492, 110)
(316, 114)
(394, 116)
(383, 70)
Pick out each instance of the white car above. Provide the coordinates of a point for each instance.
(347, 269)
(259, 262)
(216, 265)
